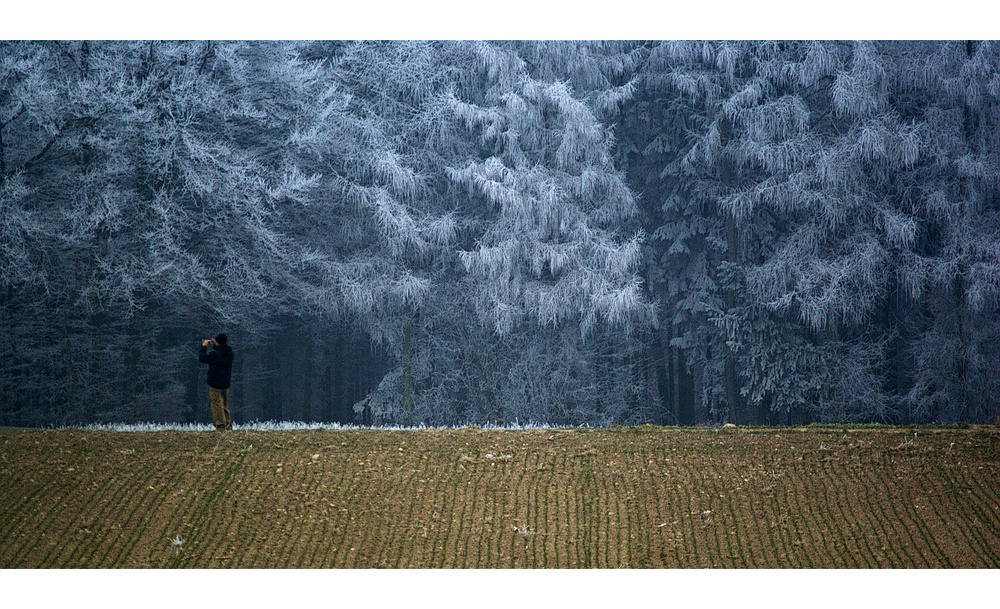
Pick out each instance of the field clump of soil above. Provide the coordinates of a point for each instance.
(644, 497)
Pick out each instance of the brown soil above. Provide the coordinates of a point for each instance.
(645, 497)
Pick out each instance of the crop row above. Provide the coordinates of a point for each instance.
(650, 498)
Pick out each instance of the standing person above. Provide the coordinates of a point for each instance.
(220, 368)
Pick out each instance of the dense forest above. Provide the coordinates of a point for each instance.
(453, 232)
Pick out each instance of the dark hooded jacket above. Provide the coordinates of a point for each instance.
(220, 365)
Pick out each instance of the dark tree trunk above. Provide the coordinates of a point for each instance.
(732, 256)
(342, 362)
(307, 367)
(407, 366)
(962, 372)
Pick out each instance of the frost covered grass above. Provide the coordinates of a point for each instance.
(302, 426)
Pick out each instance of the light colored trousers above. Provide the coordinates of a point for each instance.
(219, 401)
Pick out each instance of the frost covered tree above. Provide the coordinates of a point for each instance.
(71, 231)
(834, 177)
(809, 207)
(452, 232)
(553, 223)
(549, 210)
(145, 172)
(537, 209)
(150, 188)
(685, 143)
(956, 278)
(779, 220)
(379, 230)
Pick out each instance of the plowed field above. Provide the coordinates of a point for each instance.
(647, 497)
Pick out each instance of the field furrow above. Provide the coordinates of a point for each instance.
(911, 507)
(908, 513)
(98, 510)
(901, 520)
(972, 515)
(466, 498)
(125, 502)
(842, 526)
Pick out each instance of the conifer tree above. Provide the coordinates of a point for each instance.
(822, 227)
(956, 277)
(550, 209)
(782, 199)
(537, 206)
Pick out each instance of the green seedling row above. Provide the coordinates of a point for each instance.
(644, 498)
